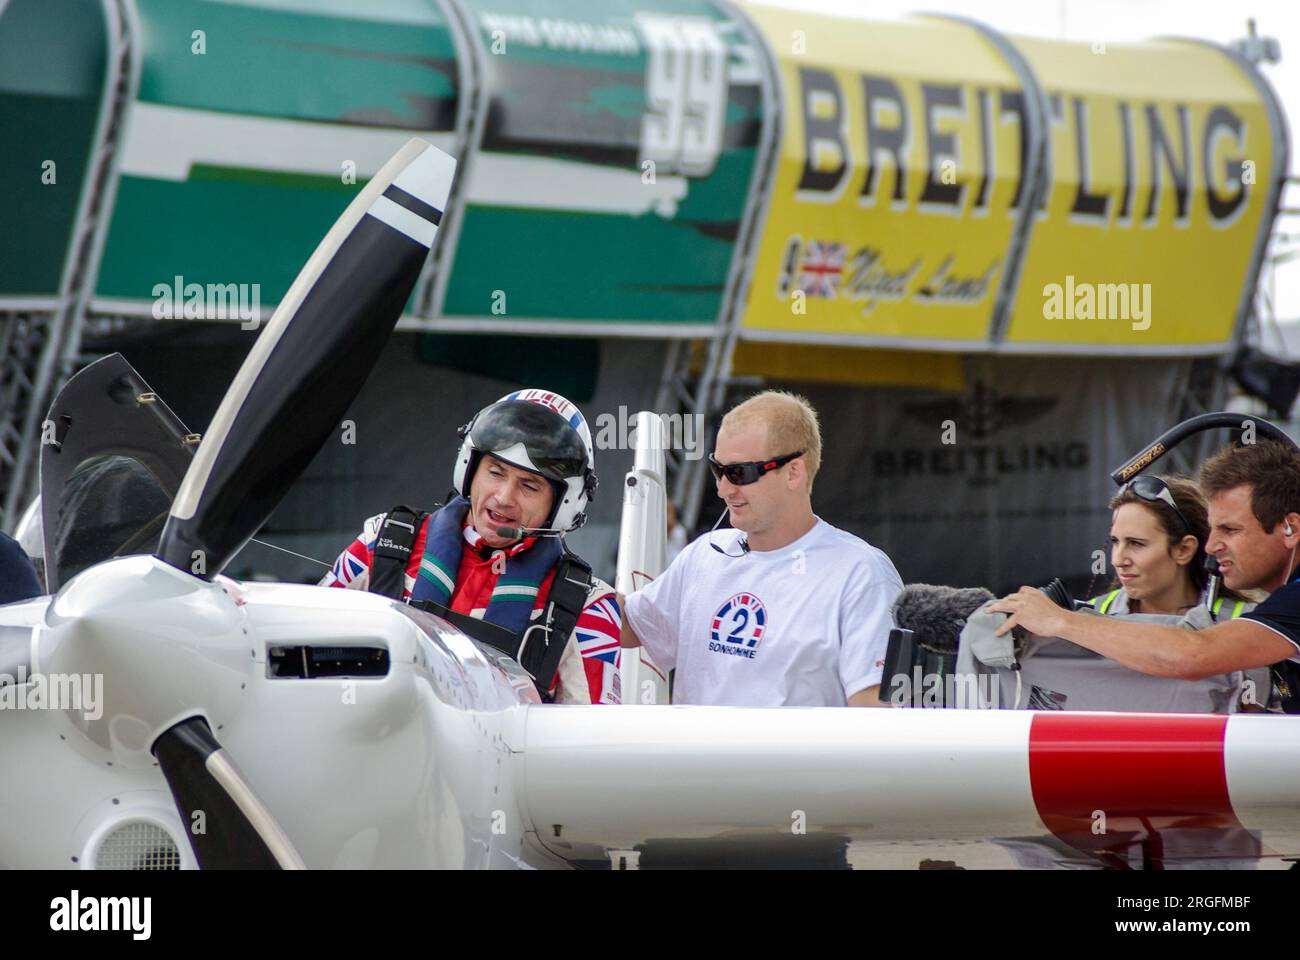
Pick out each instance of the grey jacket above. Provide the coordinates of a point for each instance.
(1055, 674)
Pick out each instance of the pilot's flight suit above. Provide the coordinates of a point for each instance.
(588, 670)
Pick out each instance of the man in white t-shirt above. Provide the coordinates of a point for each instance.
(784, 609)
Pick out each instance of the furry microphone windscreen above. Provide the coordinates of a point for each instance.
(936, 614)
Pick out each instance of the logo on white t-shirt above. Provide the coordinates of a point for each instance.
(737, 627)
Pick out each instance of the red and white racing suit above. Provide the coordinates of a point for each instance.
(588, 670)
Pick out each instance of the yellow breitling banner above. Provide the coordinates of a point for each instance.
(894, 201)
(1161, 159)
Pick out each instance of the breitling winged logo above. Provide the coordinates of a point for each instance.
(982, 412)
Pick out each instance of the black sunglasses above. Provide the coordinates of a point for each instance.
(1154, 490)
(742, 474)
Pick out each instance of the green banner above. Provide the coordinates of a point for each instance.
(256, 124)
(49, 106)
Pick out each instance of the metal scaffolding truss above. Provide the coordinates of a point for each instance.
(41, 350)
(21, 339)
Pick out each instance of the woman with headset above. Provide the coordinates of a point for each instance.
(1159, 527)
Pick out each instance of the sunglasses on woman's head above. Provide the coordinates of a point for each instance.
(742, 474)
(1153, 490)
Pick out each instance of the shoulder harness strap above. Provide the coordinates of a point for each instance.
(392, 553)
(540, 655)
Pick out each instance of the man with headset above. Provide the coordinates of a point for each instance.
(493, 560)
(784, 609)
(1254, 499)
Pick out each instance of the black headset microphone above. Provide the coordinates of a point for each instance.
(518, 533)
(744, 544)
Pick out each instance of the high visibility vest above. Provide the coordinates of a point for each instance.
(1103, 603)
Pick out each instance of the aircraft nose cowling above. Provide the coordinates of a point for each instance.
(147, 646)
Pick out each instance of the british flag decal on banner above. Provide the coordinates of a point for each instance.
(822, 267)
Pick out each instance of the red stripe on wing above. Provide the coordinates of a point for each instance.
(1156, 782)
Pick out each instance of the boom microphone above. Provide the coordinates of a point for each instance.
(936, 614)
(518, 533)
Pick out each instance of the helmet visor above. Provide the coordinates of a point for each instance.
(553, 445)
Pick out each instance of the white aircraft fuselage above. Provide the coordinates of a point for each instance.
(450, 760)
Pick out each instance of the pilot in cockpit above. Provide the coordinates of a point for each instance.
(493, 560)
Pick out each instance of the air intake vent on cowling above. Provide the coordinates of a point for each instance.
(137, 845)
(314, 662)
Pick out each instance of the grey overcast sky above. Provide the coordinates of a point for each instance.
(1118, 21)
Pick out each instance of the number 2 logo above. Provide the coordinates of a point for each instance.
(740, 617)
(741, 621)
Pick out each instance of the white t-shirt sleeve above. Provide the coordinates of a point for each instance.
(655, 612)
(866, 617)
